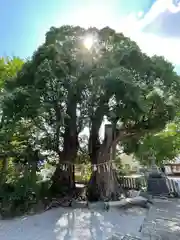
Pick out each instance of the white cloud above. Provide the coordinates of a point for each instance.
(159, 7)
(103, 13)
(151, 43)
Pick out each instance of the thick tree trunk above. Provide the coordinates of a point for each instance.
(104, 186)
(104, 182)
(63, 183)
(33, 164)
(64, 179)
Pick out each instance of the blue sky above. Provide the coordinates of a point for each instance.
(153, 24)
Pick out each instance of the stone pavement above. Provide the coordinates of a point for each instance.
(73, 224)
(162, 221)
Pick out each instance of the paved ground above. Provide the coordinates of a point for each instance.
(72, 224)
(162, 222)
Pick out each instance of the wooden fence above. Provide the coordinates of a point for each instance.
(137, 183)
(173, 186)
(134, 183)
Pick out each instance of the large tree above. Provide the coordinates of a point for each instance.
(136, 93)
(69, 85)
(50, 92)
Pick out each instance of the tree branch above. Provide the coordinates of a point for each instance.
(124, 133)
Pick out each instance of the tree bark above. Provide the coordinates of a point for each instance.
(104, 185)
(104, 182)
(63, 179)
(34, 165)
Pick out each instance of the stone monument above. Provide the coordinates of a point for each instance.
(156, 182)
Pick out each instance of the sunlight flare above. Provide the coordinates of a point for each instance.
(88, 42)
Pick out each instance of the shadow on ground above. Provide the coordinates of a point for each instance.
(68, 223)
(163, 220)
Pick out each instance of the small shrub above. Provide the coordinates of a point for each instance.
(21, 196)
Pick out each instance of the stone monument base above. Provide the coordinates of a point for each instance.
(156, 185)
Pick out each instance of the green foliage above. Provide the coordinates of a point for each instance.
(17, 198)
(65, 87)
(83, 174)
(9, 68)
(8, 72)
(22, 196)
(164, 146)
(114, 79)
(17, 192)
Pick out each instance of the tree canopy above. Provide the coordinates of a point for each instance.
(114, 79)
(66, 87)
